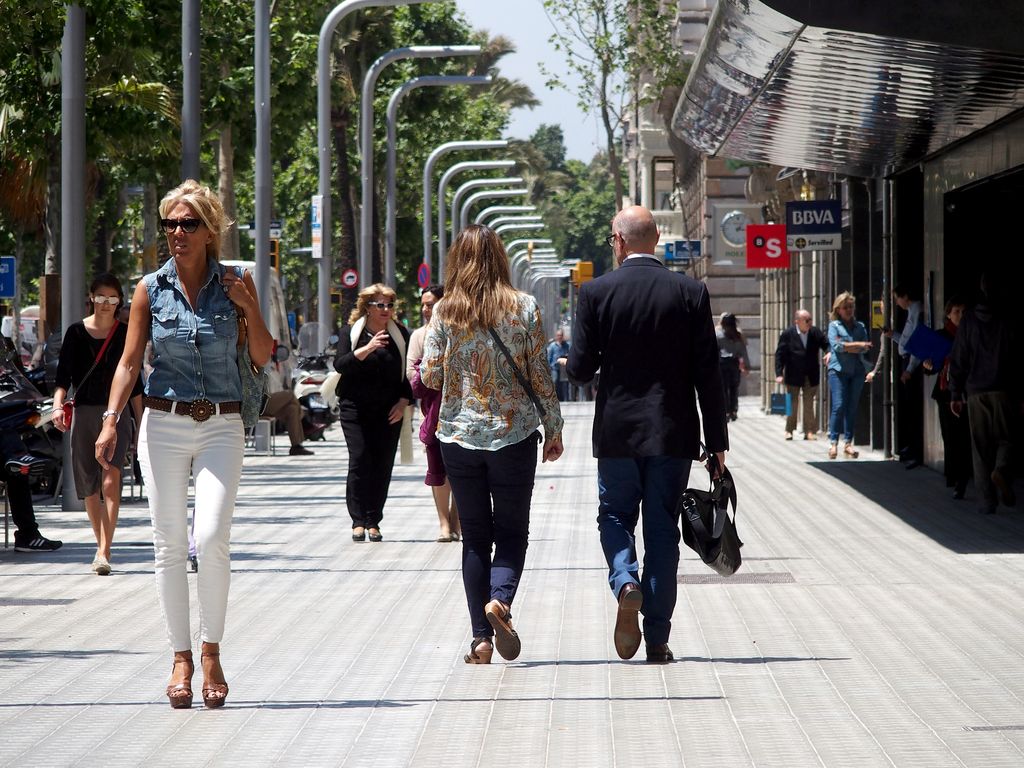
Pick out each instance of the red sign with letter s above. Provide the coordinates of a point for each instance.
(766, 246)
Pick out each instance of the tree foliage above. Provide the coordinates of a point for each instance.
(133, 80)
(621, 54)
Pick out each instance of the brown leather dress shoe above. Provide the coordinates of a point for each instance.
(627, 623)
(659, 654)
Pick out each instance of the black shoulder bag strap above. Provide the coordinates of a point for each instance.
(524, 382)
(99, 356)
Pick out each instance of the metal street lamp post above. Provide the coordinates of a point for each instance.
(463, 220)
(502, 220)
(502, 209)
(366, 137)
(442, 193)
(526, 241)
(469, 186)
(323, 140)
(428, 179)
(391, 172)
(264, 186)
(517, 227)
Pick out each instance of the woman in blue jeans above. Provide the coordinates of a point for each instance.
(480, 333)
(847, 372)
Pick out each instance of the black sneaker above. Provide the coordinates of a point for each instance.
(38, 544)
(27, 464)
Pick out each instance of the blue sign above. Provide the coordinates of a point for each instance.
(814, 225)
(683, 251)
(423, 275)
(8, 275)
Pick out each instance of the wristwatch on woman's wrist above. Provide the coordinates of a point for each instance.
(115, 414)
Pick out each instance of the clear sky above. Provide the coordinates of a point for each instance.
(525, 23)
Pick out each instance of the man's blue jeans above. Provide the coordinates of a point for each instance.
(845, 389)
(656, 482)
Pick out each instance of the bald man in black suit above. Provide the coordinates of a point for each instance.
(651, 334)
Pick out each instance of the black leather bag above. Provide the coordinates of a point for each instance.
(707, 526)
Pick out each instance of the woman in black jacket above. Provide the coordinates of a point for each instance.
(372, 395)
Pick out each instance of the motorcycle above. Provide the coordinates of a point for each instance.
(29, 444)
(312, 370)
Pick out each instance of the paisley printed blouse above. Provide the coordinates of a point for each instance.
(483, 406)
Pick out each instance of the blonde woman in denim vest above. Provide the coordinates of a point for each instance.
(189, 308)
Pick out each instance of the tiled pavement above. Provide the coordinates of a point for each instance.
(875, 622)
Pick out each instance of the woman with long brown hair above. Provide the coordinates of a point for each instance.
(372, 396)
(485, 351)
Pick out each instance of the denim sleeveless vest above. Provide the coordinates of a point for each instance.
(194, 348)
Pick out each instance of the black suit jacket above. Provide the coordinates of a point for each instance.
(650, 332)
(794, 363)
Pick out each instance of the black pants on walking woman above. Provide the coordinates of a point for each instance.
(492, 491)
(372, 443)
(730, 368)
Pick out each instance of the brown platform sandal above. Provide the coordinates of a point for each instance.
(214, 694)
(499, 616)
(850, 451)
(180, 694)
(480, 650)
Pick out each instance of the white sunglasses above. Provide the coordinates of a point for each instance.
(112, 300)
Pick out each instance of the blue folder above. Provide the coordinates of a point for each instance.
(926, 344)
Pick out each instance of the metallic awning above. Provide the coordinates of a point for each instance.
(766, 87)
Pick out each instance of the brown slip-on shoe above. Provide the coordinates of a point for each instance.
(506, 641)
(659, 654)
(627, 621)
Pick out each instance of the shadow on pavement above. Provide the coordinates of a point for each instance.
(921, 500)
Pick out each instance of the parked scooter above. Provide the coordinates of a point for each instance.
(26, 447)
(311, 370)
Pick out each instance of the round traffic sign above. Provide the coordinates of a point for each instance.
(423, 275)
(349, 278)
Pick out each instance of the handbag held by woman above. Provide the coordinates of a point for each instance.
(707, 526)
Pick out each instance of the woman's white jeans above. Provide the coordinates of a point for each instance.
(170, 447)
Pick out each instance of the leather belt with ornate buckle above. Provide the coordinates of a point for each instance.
(199, 410)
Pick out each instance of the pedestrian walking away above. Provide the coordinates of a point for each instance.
(797, 366)
(430, 405)
(558, 353)
(485, 351)
(89, 356)
(372, 397)
(651, 333)
(847, 373)
(192, 309)
(733, 361)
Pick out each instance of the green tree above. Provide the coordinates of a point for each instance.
(621, 53)
(549, 140)
(579, 217)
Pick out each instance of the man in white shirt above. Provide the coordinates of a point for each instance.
(910, 427)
